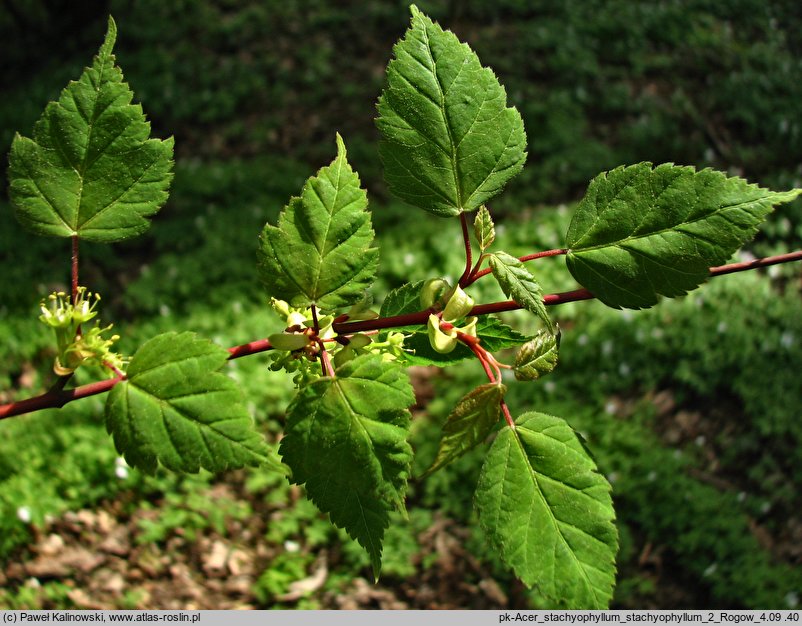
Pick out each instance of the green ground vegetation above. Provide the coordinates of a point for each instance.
(691, 408)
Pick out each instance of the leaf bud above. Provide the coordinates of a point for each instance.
(459, 305)
(280, 307)
(442, 342)
(433, 291)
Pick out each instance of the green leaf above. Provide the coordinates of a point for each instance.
(346, 441)
(320, 251)
(549, 512)
(493, 333)
(177, 409)
(642, 232)
(91, 169)
(518, 284)
(537, 357)
(469, 424)
(484, 229)
(450, 143)
(405, 299)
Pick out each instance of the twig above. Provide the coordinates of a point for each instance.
(466, 237)
(57, 398)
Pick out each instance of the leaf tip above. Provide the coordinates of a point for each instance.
(341, 151)
(111, 38)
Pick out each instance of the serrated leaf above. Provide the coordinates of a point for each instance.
(493, 333)
(402, 300)
(450, 143)
(484, 229)
(642, 232)
(469, 424)
(91, 169)
(346, 441)
(548, 511)
(320, 251)
(518, 284)
(176, 408)
(537, 357)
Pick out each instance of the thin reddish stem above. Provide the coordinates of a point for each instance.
(485, 360)
(523, 259)
(506, 410)
(328, 369)
(246, 349)
(472, 276)
(756, 263)
(480, 353)
(56, 399)
(315, 323)
(540, 255)
(466, 237)
(74, 272)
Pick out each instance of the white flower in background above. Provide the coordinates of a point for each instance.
(121, 468)
(24, 514)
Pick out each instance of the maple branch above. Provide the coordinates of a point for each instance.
(57, 398)
(756, 263)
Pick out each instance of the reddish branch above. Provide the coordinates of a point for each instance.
(74, 272)
(476, 275)
(466, 237)
(485, 359)
(56, 398)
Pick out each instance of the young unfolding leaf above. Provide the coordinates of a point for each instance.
(642, 232)
(90, 169)
(549, 512)
(346, 441)
(177, 409)
(484, 229)
(450, 141)
(320, 251)
(469, 423)
(517, 283)
(493, 333)
(537, 357)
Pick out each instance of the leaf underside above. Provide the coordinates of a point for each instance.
(642, 232)
(450, 143)
(549, 512)
(176, 408)
(346, 442)
(492, 332)
(91, 169)
(469, 424)
(484, 229)
(518, 283)
(537, 357)
(320, 251)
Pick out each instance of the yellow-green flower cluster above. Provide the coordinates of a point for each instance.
(76, 346)
(298, 339)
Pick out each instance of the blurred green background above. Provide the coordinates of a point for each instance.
(693, 408)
